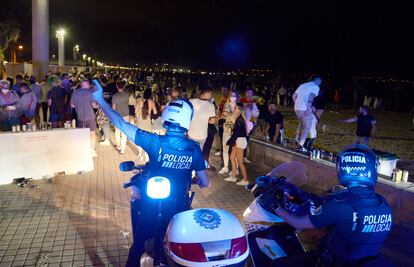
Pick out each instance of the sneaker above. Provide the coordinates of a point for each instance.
(218, 153)
(246, 160)
(242, 183)
(224, 170)
(231, 179)
(300, 148)
(105, 143)
(231, 172)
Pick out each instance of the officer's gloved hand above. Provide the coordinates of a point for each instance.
(194, 180)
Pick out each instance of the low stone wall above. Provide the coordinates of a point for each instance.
(322, 175)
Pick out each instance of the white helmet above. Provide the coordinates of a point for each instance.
(205, 238)
(179, 112)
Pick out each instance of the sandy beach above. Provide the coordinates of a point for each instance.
(394, 133)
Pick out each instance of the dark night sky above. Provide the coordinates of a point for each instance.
(289, 35)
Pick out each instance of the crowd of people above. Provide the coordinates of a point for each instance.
(141, 97)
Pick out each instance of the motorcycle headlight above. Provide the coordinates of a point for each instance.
(158, 187)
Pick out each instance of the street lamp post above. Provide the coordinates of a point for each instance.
(75, 52)
(60, 35)
(40, 38)
(84, 59)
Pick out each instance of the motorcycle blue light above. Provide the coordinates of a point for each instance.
(158, 187)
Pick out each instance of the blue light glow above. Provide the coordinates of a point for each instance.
(234, 51)
(158, 187)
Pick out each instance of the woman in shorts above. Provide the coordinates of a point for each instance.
(238, 142)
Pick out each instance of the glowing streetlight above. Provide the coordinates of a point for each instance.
(84, 56)
(75, 52)
(14, 53)
(60, 35)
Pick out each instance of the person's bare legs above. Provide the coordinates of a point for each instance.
(239, 156)
(233, 161)
(306, 127)
(299, 114)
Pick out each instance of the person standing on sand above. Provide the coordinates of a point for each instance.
(366, 126)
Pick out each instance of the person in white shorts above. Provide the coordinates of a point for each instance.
(303, 98)
(238, 143)
(228, 125)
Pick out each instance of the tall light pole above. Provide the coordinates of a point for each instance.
(60, 35)
(40, 37)
(75, 52)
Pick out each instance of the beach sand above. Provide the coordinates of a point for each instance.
(394, 133)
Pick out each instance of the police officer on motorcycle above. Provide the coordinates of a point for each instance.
(358, 219)
(173, 156)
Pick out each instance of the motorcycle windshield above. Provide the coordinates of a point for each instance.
(294, 171)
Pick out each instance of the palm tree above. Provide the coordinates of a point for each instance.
(9, 32)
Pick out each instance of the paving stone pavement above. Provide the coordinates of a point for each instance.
(84, 220)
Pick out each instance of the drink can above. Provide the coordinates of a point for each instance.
(398, 176)
(29, 127)
(34, 127)
(405, 176)
(394, 172)
(285, 142)
(318, 154)
(18, 128)
(24, 128)
(14, 128)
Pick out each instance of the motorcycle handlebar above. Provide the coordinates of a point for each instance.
(129, 184)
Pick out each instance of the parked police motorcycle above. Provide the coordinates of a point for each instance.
(200, 237)
(271, 240)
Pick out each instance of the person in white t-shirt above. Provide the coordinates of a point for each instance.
(303, 99)
(204, 113)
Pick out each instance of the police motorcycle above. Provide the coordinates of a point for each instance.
(271, 240)
(197, 237)
(269, 237)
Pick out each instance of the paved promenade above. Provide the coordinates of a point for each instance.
(84, 220)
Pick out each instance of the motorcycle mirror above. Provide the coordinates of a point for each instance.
(250, 186)
(126, 166)
(337, 188)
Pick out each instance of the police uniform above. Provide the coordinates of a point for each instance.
(173, 156)
(359, 221)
